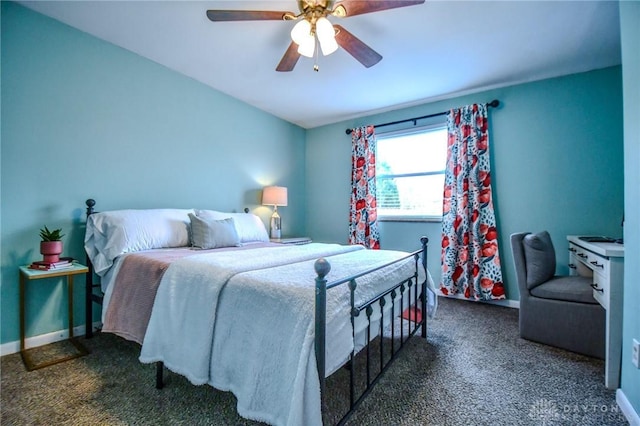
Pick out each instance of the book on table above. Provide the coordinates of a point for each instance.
(64, 262)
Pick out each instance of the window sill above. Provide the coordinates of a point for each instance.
(409, 219)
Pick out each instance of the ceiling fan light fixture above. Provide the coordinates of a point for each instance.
(301, 31)
(326, 36)
(302, 36)
(307, 47)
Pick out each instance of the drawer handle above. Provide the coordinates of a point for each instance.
(572, 266)
(595, 263)
(572, 249)
(595, 287)
(582, 255)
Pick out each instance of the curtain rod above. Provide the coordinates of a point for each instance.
(494, 103)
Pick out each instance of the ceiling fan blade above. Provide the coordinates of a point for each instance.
(289, 59)
(357, 7)
(248, 15)
(356, 48)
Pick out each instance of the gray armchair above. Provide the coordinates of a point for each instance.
(555, 310)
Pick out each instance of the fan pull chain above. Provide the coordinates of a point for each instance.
(315, 56)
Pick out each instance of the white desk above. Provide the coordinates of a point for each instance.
(605, 263)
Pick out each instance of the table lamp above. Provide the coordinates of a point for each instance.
(275, 196)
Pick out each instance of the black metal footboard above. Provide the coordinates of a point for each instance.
(405, 288)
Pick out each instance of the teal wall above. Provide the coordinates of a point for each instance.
(557, 156)
(82, 118)
(630, 35)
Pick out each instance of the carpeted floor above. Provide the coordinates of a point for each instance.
(473, 369)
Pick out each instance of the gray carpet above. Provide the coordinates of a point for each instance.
(459, 376)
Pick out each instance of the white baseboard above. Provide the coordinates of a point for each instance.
(43, 339)
(627, 408)
(506, 303)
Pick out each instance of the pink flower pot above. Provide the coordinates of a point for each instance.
(51, 250)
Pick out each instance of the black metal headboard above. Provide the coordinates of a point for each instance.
(90, 296)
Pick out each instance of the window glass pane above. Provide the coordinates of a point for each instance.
(410, 196)
(412, 153)
(421, 154)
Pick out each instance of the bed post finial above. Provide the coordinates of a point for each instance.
(90, 203)
(425, 242)
(322, 267)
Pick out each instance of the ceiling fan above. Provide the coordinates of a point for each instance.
(315, 29)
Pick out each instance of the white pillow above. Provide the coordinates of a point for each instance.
(248, 226)
(110, 234)
(212, 214)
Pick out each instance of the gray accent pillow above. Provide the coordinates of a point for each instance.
(540, 258)
(208, 233)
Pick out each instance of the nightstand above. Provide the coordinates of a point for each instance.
(293, 241)
(27, 275)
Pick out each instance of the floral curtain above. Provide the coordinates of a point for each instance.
(363, 225)
(470, 256)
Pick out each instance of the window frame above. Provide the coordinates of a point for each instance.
(437, 124)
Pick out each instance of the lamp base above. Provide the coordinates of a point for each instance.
(276, 225)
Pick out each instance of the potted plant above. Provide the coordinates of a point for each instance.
(51, 244)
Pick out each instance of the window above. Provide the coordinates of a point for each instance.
(410, 173)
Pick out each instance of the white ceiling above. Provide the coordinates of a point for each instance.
(431, 51)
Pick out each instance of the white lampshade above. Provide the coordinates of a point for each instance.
(301, 30)
(307, 47)
(274, 196)
(326, 36)
(301, 35)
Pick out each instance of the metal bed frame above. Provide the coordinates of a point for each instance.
(407, 287)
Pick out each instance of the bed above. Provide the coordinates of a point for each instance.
(208, 296)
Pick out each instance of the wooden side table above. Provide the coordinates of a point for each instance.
(26, 275)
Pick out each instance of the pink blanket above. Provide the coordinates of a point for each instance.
(134, 290)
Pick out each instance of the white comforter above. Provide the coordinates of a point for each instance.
(263, 345)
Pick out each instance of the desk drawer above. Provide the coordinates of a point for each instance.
(577, 266)
(601, 289)
(591, 260)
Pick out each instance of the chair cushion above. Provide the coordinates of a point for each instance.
(569, 288)
(540, 258)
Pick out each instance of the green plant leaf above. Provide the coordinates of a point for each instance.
(48, 235)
